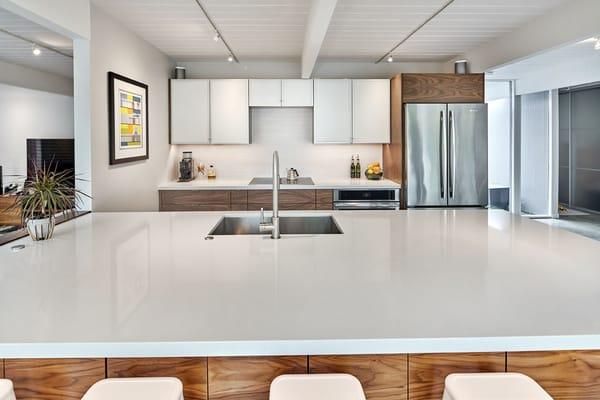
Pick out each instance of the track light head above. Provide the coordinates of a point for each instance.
(36, 50)
(390, 59)
(230, 58)
(217, 37)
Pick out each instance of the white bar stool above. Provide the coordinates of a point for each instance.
(316, 387)
(493, 386)
(136, 389)
(6, 390)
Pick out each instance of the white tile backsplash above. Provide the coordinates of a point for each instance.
(288, 130)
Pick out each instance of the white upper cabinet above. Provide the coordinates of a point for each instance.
(265, 93)
(371, 111)
(297, 93)
(332, 114)
(229, 111)
(190, 110)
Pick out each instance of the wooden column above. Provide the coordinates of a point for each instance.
(427, 372)
(383, 377)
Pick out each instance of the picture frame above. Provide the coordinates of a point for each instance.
(127, 119)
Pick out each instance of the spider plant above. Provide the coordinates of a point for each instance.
(46, 194)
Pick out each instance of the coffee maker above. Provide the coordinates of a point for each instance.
(186, 167)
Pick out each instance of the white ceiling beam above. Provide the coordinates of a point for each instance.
(317, 24)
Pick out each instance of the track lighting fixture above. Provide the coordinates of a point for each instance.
(216, 37)
(390, 59)
(36, 50)
(230, 58)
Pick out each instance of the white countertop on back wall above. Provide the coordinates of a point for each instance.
(416, 281)
(244, 184)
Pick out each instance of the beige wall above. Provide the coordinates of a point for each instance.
(130, 186)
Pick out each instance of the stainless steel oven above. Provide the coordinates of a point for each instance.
(366, 199)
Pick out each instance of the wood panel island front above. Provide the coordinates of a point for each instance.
(442, 291)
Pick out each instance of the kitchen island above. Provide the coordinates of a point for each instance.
(400, 300)
(417, 281)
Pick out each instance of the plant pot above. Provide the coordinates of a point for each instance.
(40, 228)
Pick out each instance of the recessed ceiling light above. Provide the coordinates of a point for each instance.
(36, 50)
(390, 59)
(230, 58)
(217, 37)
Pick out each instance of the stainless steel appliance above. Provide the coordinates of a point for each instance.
(446, 155)
(366, 199)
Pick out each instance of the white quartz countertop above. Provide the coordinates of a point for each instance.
(244, 184)
(148, 284)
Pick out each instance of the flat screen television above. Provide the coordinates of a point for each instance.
(60, 153)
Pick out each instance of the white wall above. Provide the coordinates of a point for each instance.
(572, 21)
(67, 17)
(26, 113)
(288, 130)
(130, 186)
(292, 69)
(17, 75)
(560, 73)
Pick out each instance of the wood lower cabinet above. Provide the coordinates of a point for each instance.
(194, 200)
(565, 375)
(383, 377)
(53, 379)
(242, 200)
(288, 199)
(192, 371)
(427, 372)
(249, 378)
(1, 368)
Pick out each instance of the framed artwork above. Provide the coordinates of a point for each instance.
(127, 119)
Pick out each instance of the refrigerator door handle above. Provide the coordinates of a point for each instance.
(442, 154)
(451, 155)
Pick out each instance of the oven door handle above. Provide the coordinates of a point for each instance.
(366, 205)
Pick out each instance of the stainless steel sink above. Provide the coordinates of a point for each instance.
(300, 225)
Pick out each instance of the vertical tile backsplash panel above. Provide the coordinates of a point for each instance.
(288, 130)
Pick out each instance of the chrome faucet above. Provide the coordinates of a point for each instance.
(272, 227)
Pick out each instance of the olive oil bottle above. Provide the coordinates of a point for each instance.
(352, 168)
(357, 167)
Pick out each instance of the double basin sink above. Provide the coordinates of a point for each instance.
(288, 225)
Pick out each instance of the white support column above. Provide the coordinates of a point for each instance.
(82, 96)
(553, 125)
(317, 24)
(515, 155)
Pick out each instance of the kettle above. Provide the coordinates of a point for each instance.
(292, 174)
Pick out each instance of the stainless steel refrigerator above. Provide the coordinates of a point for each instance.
(447, 155)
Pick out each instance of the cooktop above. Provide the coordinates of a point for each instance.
(283, 181)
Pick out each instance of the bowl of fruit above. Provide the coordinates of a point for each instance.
(374, 172)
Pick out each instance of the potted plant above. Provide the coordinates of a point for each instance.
(45, 195)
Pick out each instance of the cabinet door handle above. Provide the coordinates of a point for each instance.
(442, 154)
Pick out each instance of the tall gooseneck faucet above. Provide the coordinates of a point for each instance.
(272, 227)
(275, 231)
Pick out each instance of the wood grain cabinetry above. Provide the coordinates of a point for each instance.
(53, 379)
(565, 375)
(249, 378)
(194, 200)
(383, 377)
(324, 199)
(427, 372)
(241, 200)
(9, 217)
(443, 88)
(288, 199)
(191, 371)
